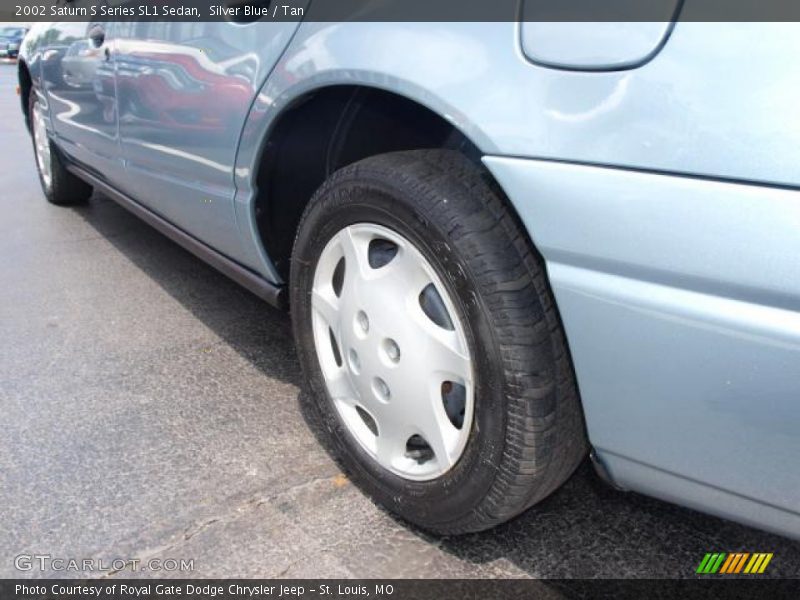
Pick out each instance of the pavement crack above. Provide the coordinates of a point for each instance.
(285, 570)
(258, 501)
(193, 530)
(243, 508)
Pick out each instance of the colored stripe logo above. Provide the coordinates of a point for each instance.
(734, 563)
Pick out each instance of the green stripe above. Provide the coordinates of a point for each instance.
(702, 567)
(711, 562)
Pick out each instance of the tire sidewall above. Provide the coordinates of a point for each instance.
(457, 492)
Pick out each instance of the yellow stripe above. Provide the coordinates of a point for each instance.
(742, 559)
(728, 562)
(757, 564)
(765, 563)
(751, 563)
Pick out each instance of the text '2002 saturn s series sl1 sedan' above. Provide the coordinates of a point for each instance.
(504, 245)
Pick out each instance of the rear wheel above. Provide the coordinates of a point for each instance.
(435, 359)
(59, 185)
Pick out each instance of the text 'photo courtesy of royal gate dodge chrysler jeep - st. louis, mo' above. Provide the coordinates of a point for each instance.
(504, 246)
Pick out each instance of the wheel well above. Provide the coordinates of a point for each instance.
(25, 87)
(325, 131)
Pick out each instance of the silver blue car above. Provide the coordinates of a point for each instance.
(505, 246)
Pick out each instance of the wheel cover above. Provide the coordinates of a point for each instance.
(392, 351)
(42, 145)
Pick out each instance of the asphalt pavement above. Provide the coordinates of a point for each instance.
(149, 409)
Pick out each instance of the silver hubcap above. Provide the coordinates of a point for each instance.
(392, 351)
(42, 145)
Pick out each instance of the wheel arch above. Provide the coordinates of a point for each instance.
(326, 128)
(25, 87)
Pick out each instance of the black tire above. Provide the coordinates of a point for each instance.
(64, 188)
(528, 434)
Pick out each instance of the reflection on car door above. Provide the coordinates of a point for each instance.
(78, 76)
(184, 92)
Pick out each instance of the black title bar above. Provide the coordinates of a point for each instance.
(247, 11)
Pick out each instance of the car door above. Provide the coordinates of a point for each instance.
(78, 79)
(184, 90)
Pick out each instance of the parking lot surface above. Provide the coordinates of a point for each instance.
(149, 409)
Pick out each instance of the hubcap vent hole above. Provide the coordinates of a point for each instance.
(368, 420)
(434, 308)
(454, 398)
(338, 278)
(381, 252)
(337, 356)
(418, 449)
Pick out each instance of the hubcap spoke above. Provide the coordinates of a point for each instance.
(340, 388)
(440, 435)
(447, 359)
(355, 254)
(391, 442)
(326, 309)
(410, 272)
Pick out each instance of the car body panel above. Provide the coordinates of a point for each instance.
(681, 112)
(699, 495)
(158, 109)
(184, 91)
(81, 98)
